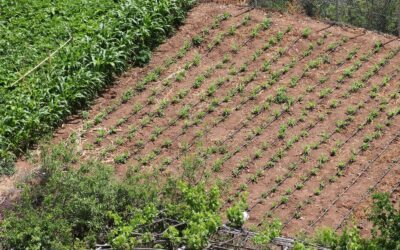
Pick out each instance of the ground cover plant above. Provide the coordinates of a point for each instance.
(115, 34)
(290, 121)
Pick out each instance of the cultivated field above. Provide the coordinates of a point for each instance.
(302, 115)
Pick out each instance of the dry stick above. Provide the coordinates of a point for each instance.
(40, 64)
(395, 188)
(359, 128)
(366, 194)
(244, 12)
(371, 162)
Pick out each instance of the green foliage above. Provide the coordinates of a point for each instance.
(349, 239)
(267, 233)
(386, 221)
(72, 203)
(107, 36)
(235, 213)
(377, 15)
(78, 207)
(385, 231)
(195, 207)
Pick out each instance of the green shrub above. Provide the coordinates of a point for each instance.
(76, 207)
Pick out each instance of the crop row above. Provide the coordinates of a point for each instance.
(341, 166)
(282, 132)
(209, 93)
(340, 124)
(324, 159)
(151, 115)
(253, 94)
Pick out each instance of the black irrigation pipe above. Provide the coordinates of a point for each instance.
(363, 171)
(284, 112)
(367, 193)
(165, 88)
(244, 125)
(268, 124)
(170, 125)
(176, 137)
(359, 128)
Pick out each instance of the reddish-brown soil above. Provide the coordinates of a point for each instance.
(291, 175)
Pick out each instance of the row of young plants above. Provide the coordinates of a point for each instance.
(258, 153)
(340, 124)
(323, 159)
(219, 148)
(372, 189)
(199, 118)
(151, 77)
(154, 75)
(281, 179)
(362, 172)
(254, 93)
(281, 98)
(180, 74)
(213, 88)
(115, 35)
(208, 94)
(151, 99)
(373, 115)
(367, 140)
(311, 108)
(279, 154)
(199, 81)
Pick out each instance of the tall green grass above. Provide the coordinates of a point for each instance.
(107, 36)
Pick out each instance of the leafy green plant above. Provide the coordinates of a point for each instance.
(115, 34)
(236, 215)
(306, 32)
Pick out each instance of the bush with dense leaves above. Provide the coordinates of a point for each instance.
(76, 207)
